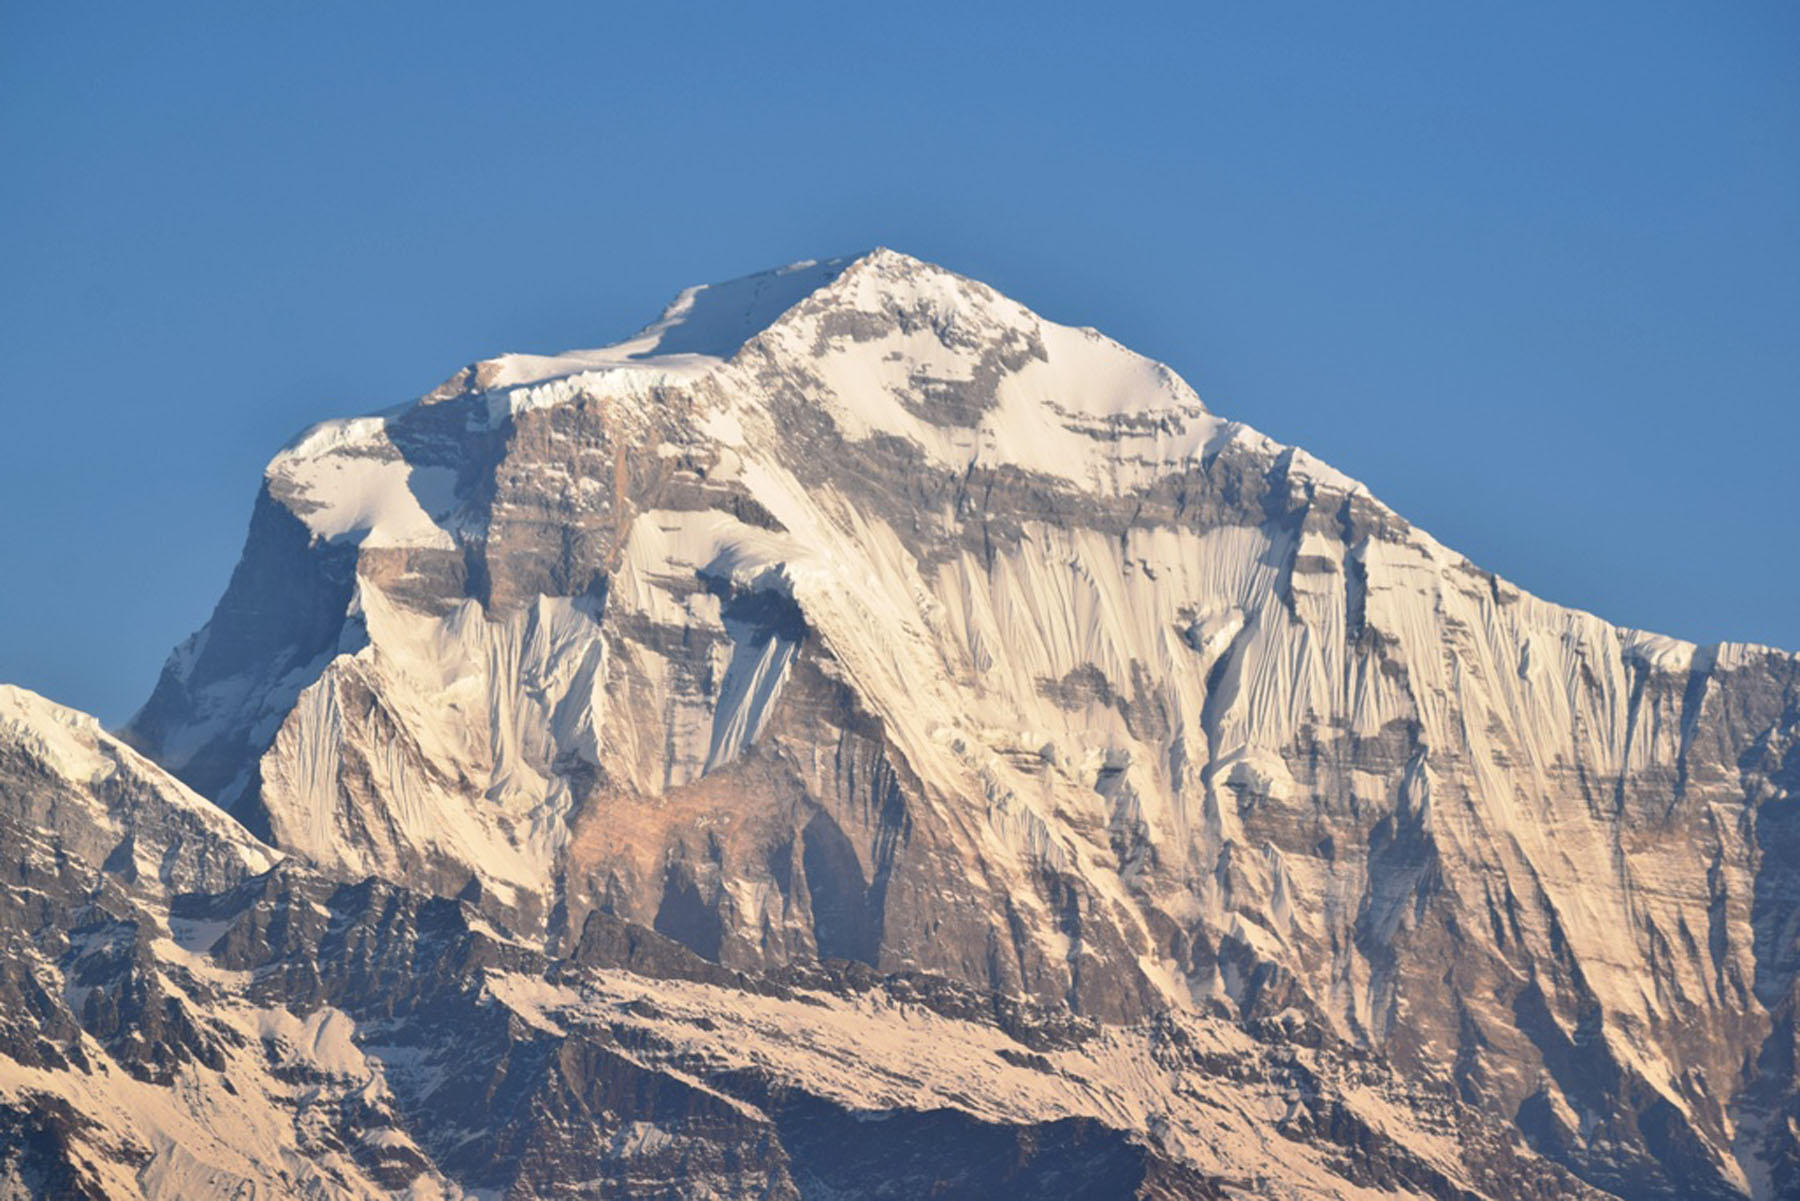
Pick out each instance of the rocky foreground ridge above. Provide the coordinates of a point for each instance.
(857, 737)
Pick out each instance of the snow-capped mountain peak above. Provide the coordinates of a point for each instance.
(855, 612)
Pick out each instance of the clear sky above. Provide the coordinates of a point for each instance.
(1530, 272)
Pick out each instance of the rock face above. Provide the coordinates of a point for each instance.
(854, 615)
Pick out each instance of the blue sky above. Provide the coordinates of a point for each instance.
(1531, 272)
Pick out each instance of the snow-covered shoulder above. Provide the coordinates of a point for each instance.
(64, 740)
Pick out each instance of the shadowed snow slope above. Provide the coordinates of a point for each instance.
(854, 612)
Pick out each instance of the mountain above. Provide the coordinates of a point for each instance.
(857, 737)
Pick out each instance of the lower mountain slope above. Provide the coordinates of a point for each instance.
(187, 1015)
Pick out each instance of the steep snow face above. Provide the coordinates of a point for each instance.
(855, 611)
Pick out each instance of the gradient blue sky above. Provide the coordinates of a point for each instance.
(1531, 272)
